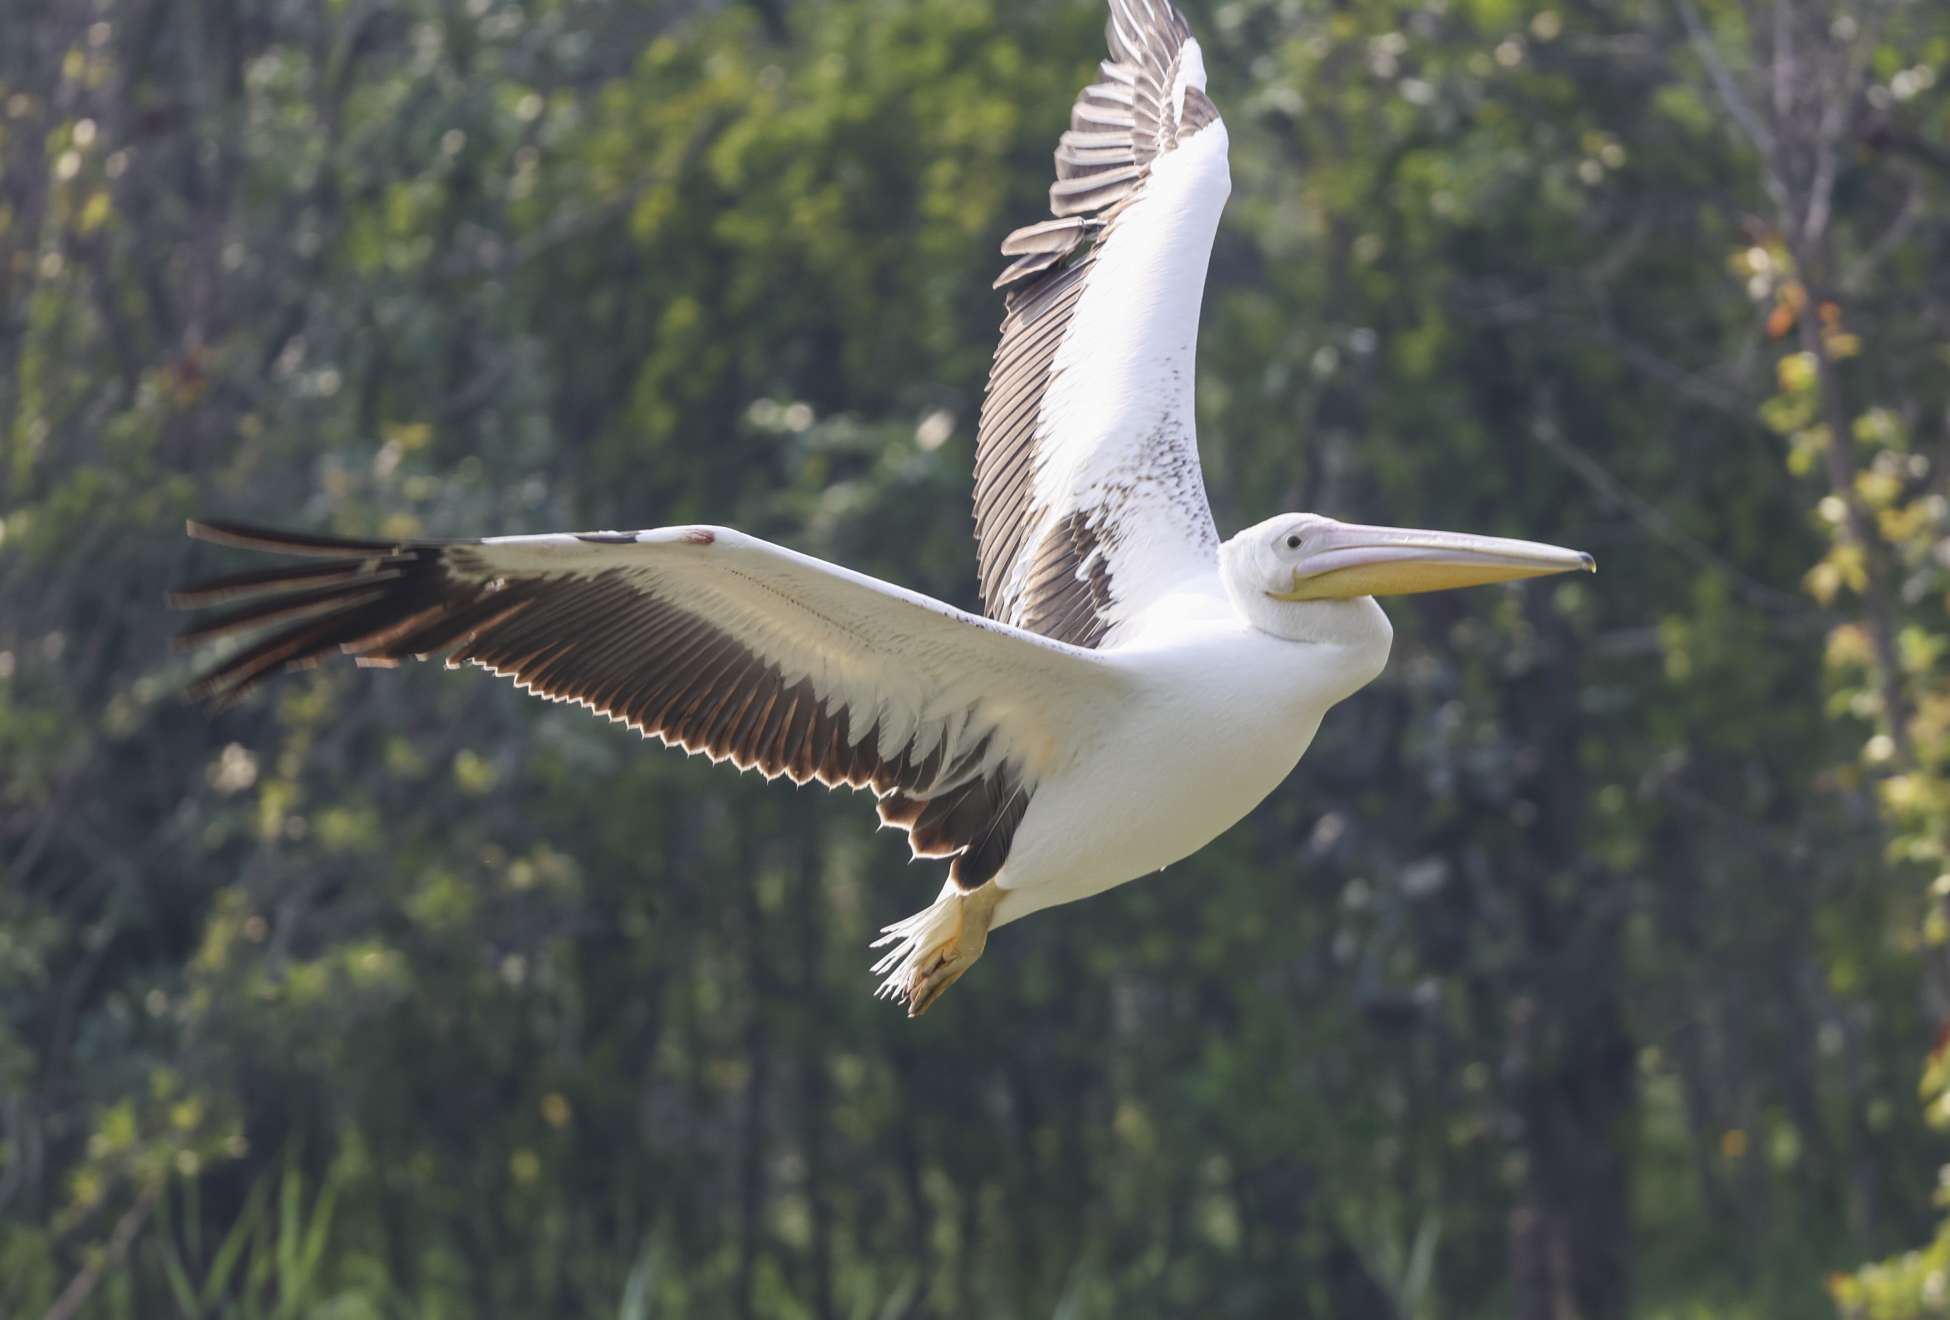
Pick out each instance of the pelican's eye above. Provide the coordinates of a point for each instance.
(1293, 542)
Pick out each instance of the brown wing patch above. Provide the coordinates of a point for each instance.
(604, 641)
(1067, 590)
(974, 824)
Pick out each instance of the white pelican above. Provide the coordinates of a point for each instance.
(1136, 688)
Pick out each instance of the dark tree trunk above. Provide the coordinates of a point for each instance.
(813, 1090)
(1570, 1067)
(752, 1191)
(1570, 1233)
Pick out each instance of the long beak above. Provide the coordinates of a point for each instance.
(1349, 560)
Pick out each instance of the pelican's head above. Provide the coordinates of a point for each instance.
(1303, 557)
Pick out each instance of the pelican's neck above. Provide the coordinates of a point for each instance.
(1358, 622)
(1355, 632)
(1344, 642)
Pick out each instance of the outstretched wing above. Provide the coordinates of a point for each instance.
(718, 642)
(1089, 503)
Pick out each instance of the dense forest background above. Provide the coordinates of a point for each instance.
(1588, 967)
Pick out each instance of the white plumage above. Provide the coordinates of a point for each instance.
(1138, 687)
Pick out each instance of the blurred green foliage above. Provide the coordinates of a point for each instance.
(1586, 967)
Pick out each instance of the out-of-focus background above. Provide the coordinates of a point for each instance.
(1588, 967)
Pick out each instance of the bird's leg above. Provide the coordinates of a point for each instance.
(935, 946)
(943, 966)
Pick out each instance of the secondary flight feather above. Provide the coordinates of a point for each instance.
(1136, 688)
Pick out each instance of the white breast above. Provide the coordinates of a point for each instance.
(1222, 715)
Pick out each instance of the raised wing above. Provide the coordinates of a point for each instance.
(1089, 502)
(718, 642)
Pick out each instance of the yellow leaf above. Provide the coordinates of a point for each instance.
(1796, 372)
(407, 435)
(1823, 581)
(94, 213)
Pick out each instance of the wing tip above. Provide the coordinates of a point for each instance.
(253, 536)
(1151, 97)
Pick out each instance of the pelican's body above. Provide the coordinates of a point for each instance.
(1228, 707)
(1136, 687)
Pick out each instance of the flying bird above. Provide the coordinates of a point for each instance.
(1136, 687)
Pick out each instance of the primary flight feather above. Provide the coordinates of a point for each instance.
(1137, 687)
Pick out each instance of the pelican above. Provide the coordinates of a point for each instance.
(1136, 688)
